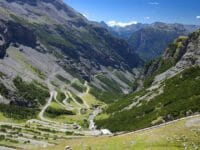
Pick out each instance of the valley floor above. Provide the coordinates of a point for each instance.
(181, 134)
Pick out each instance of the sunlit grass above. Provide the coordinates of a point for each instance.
(171, 137)
(91, 100)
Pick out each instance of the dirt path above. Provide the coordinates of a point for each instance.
(66, 104)
(6, 148)
(41, 114)
(193, 122)
(86, 92)
(161, 125)
(75, 101)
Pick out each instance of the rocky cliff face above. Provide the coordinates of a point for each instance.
(151, 41)
(181, 54)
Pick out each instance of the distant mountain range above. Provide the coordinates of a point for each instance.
(149, 40)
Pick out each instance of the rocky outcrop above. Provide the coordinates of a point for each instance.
(20, 34)
(4, 40)
(3, 47)
(183, 53)
(192, 52)
(12, 32)
(171, 56)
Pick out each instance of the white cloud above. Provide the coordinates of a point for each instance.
(147, 18)
(86, 16)
(198, 17)
(120, 24)
(154, 3)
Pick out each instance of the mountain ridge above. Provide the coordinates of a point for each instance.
(80, 26)
(40, 36)
(149, 40)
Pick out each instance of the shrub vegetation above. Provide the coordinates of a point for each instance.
(31, 91)
(181, 95)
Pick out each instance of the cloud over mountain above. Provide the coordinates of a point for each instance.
(120, 24)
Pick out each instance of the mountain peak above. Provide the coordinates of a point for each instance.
(55, 11)
(33, 2)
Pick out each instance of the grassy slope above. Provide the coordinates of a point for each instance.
(181, 95)
(21, 58)
(31, 91)
(170, 137)
(55, 110)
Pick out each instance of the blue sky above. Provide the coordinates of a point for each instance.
(123, 12)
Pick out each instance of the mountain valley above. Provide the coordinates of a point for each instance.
(70, 83)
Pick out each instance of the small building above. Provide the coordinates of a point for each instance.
(105, 132)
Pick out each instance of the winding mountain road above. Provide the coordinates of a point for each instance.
(41, 114)
(75, 101)
(86, 92)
